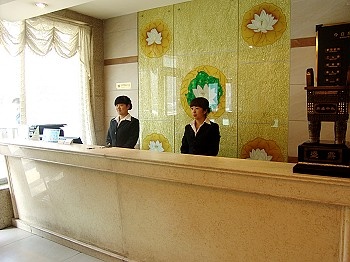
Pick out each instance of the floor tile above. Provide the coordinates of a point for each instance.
(35, 248)
(82, 258)
(9, 235)
(17, 245)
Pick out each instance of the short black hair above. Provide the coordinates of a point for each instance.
(123, 100)
(201, 102)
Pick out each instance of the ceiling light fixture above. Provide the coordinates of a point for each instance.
(41, 4)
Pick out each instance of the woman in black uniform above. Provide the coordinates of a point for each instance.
(201, 136)
(123, 129)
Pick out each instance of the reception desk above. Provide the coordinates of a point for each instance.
(133, 205)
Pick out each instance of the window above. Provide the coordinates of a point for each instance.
(52, 91)
(9, 101)
(46, 88)
(9, 90)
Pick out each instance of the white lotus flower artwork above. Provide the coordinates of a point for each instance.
(259, 154)
(263, 22)
(156, 146)
(154, 37)
(208, 92)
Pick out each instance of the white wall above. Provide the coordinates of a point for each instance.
(305, 15)
(120, 37)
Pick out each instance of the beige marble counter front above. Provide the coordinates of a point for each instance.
(134, 205)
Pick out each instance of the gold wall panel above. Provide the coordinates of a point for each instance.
(166, 128)
(208, 32)
(205, 26)
(263, 85)
(156, 81)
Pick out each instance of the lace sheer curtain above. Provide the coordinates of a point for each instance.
(43, 34)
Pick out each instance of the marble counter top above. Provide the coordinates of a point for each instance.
(261, 177)
(133, 205)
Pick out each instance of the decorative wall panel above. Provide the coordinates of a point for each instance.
(263, 75)
(180, 42)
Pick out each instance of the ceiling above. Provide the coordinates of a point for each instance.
(15, 10)
(303, 11)
(104, 9)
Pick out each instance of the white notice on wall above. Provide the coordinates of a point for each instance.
(126, 85)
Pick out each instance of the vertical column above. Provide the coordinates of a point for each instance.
(345, 236)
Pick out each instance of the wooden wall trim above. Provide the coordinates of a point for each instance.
(303, 42)
(121, 60)
(292, 159)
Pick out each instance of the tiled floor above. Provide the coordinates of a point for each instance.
(17, 245)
